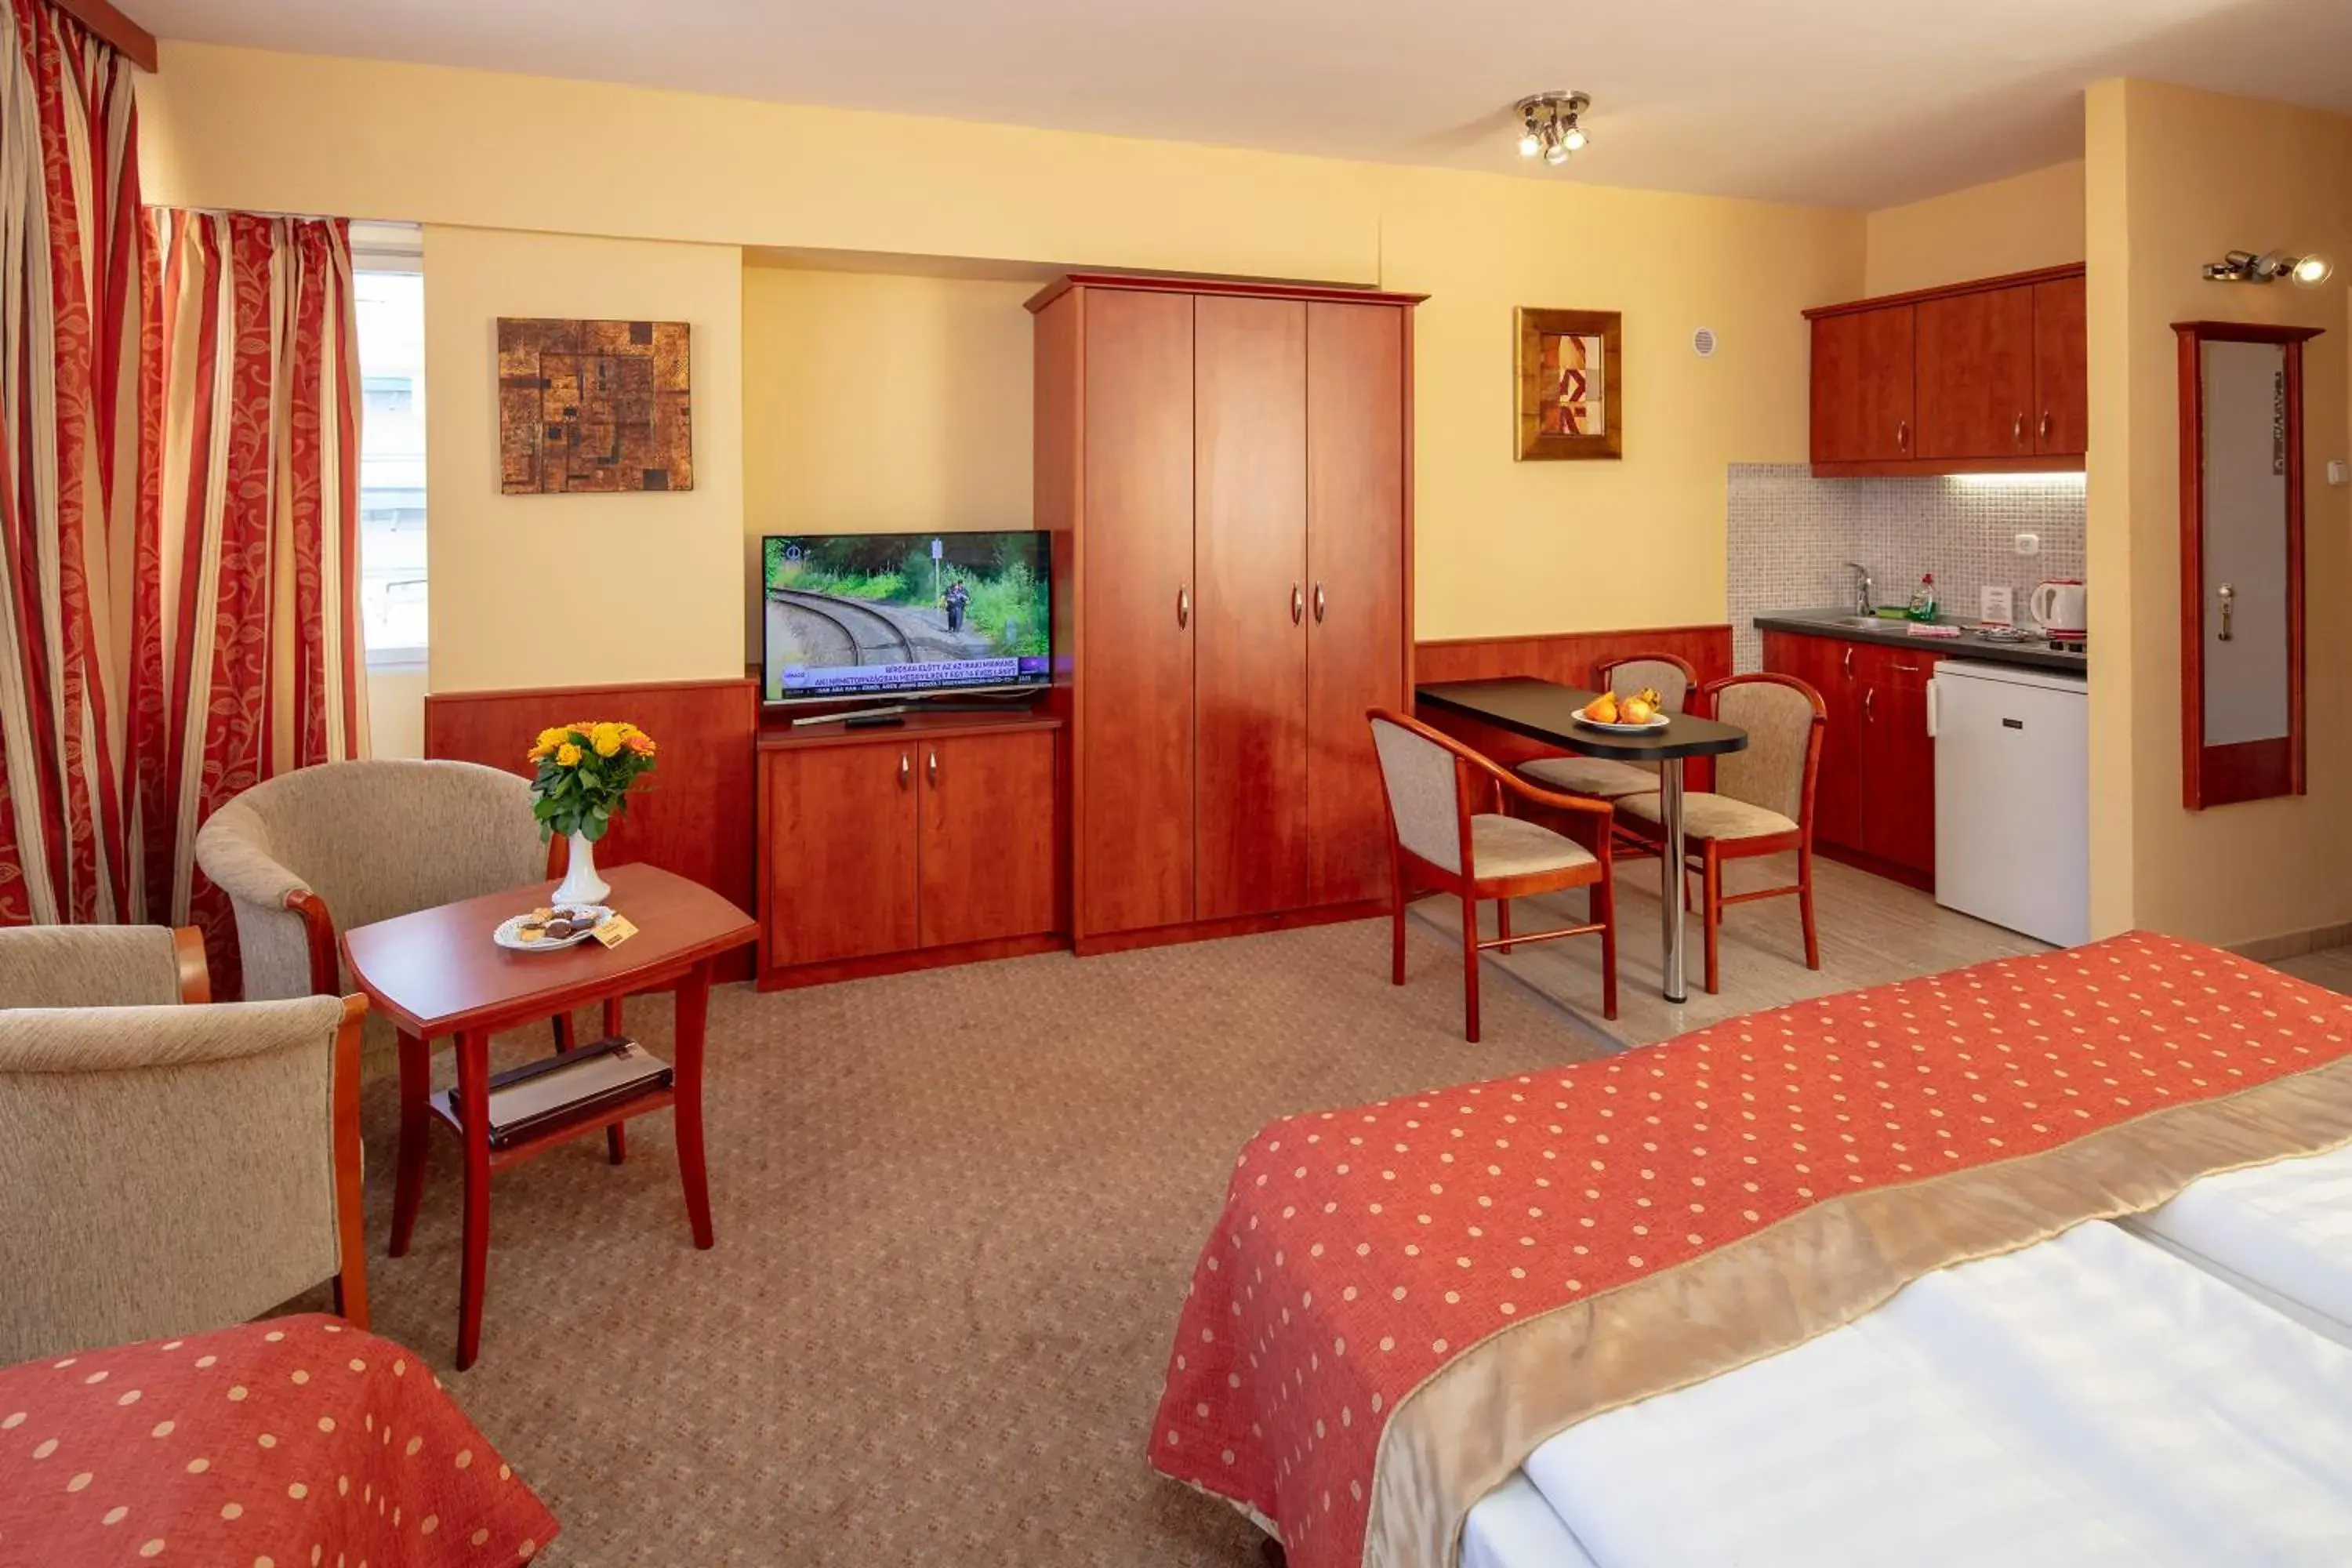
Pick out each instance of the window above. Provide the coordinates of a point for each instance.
(389, 287)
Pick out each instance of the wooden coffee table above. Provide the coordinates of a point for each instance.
(438, 975)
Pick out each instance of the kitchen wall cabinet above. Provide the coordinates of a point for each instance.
(2062, 385)
(1225, 471)
(1863, 387)
(1974, 371)
(1874, 800)
(1980, 377)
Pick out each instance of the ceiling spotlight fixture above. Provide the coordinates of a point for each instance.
(1549, 127)
(2245, 267)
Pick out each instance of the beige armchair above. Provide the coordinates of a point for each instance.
(315, 852)
(168, 1168)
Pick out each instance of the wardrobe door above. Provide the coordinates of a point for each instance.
(1249, 551)
(1355, 557)
(1134, 818)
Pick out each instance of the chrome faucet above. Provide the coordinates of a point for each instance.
(1865, 592)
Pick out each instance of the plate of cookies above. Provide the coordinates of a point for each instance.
(550, 927)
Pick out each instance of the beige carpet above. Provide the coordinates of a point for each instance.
(956, 1215)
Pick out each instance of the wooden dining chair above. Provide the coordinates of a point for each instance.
(1448, 832)
(1762, 803)
(1673, 680)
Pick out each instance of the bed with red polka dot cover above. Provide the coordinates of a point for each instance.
(1879, 1134)
(279, 1443)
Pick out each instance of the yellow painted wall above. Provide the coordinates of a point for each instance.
(1503, 547)
(2176, 178)
(882, 402)
(2009, 225)
(227, 127)
(540, 590)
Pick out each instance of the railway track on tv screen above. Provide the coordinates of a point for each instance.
(841, 629)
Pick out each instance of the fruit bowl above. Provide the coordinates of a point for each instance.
(1634, 715)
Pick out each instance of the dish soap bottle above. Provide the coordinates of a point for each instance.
(1923, 598)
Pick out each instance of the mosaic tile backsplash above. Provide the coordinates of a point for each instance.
(1792, 535)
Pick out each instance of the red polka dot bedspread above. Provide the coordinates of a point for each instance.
(1401, 1301)
(280, 1444)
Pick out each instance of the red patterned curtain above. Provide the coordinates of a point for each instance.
(249, 649)
(179, 503)
(73, 496)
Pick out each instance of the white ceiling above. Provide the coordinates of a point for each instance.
(1845, 102)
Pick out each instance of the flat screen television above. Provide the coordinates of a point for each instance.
(903, 614)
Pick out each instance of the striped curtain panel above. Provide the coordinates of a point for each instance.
(254, 620)
(71, 470)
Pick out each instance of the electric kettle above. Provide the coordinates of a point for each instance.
(2059, 607)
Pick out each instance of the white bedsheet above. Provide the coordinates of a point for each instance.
(2090, 1401)
(2283, 1232)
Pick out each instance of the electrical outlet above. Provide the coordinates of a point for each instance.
(1997, 606)
(2029, 544)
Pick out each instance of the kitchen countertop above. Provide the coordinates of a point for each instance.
(1968, 645)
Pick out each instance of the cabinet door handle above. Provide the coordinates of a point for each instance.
(2229, 594)
(1868, 717)
(1319, 603)
(1903, 436)
(1849, 659)
(1183, 606)
(1298, 604)
(1908, 669)
(906, 770)
(2046, 423)
(932, 769)
(2017, 431)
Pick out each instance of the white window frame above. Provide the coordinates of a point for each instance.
(395, 247)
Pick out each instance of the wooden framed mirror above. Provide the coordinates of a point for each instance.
(2241, 680)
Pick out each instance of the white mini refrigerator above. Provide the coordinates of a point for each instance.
(2013, 798)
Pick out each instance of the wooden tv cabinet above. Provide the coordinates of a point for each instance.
(941, 840)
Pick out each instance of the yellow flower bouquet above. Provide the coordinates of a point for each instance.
(584, 774)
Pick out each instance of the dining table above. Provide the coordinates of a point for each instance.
(1550, 713)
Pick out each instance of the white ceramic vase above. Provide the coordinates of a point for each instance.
(581, 883)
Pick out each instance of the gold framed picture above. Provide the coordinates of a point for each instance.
(1571, 384)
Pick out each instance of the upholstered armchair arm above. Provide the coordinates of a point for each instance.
(171, 1169)
(285, 939)
(101, 966)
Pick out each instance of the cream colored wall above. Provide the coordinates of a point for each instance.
(542, 590)
(882, 402)
(396, 713)
(2177, 177)
(1503, 547)
(2009, 225)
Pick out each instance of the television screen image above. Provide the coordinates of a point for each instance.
(885, 615)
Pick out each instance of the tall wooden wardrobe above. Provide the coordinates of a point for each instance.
(1226, 472)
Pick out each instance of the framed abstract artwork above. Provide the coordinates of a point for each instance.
(594, 407)
(1571, 389)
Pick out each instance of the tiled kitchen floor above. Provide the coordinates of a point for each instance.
(1872, 931)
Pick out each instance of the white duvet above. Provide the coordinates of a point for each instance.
(2093, 1400)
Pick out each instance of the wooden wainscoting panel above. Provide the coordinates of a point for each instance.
(696, 814)
(1569, 656)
